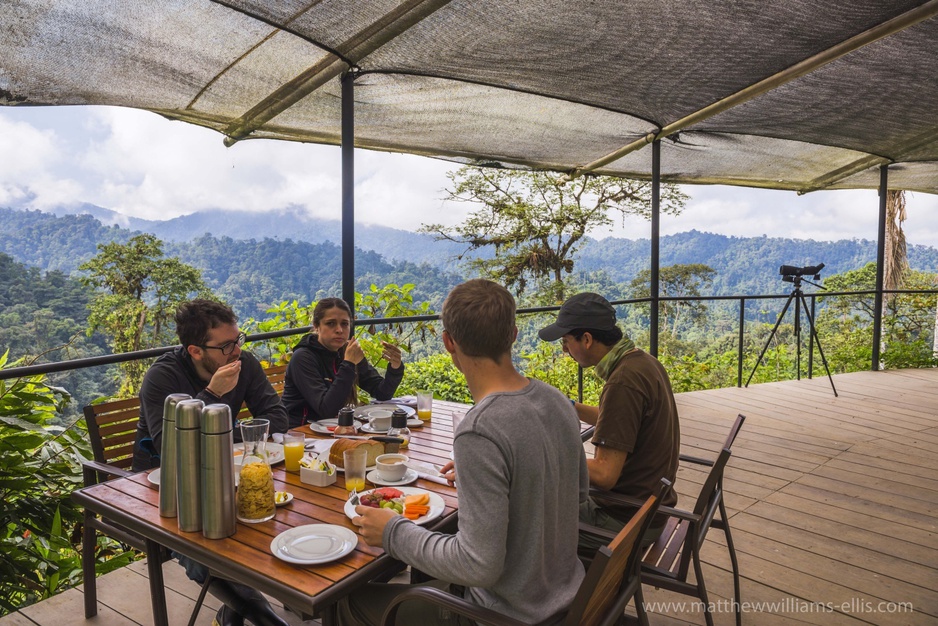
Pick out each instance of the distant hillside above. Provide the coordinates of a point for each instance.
(258, 258)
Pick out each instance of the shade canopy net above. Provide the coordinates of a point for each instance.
(798, 95)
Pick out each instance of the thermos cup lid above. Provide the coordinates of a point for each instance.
(169, 405)
(216, 419)
(188, 414)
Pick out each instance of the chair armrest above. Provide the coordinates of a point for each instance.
(587, 434)
(91, 469)
(433, 595)
(695, 459)
(618, 498)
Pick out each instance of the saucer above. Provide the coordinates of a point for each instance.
(409, 477)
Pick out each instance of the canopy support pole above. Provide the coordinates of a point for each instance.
(655, 241)
(348, 189)
(880, 266)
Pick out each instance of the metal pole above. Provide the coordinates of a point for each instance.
(742, 326)
(811, 343)
(880, 266)
(348, 189)
(655, 237)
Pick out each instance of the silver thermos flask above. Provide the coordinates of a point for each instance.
(219, 509)
(168, 455)
(188, 465)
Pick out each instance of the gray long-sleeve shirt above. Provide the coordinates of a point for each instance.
(521, 475)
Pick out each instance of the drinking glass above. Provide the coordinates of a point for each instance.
(424, 405)
(355, 468)
(293, 450)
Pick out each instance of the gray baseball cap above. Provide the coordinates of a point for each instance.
(585, 310)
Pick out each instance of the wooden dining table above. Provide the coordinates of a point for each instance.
(246, 556)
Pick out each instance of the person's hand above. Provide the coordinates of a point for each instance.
(353, 351)
(392, 353)
(449, 473)
(225, 378)
(371, 523)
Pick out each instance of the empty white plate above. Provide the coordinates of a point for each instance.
(409, 477)
(313, 543)
(154, 477)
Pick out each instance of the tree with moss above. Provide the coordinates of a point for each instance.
(137, 292)
(535, 223)
(682, 280)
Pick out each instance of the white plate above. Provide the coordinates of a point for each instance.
(364, 412)
(285, 502)
(409, 477)
(436, 505)
(154, 477)
(322, 426)
(313, 543)
(274, 453)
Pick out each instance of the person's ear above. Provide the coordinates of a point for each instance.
(194, 351)
(587, 340)
(448, 342)
(514, 333)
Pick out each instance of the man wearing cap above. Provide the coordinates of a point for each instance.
(637, 435)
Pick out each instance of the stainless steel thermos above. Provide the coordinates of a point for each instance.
(188, 465)
(168, 455)
(219, 508)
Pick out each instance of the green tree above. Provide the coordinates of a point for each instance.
(138, 290)
(536, 223)
(676, 281)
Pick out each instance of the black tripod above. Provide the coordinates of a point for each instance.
(797, 295)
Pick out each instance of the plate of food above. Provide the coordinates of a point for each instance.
(282, 498)
(364, 413)
(313, 543)
(418, 505)
(274, 453)
(327, 426)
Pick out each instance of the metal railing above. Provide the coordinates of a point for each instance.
(111, 359)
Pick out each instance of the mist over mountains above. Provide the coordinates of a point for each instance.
(261, 257)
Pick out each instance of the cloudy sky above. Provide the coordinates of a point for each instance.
(142, 165)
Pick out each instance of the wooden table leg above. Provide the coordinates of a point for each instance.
(157, 590)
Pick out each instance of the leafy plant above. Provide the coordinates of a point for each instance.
(437, 373)
(39, 468)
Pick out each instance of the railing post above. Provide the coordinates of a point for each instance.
(348, 189)
(880, 266)
(579, 383)
(742, 327)
(655, 237)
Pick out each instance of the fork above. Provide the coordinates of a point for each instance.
(353, 497)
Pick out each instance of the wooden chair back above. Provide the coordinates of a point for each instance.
(613, 570)
(112, 429)
(276, 375)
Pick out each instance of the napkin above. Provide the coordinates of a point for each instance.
(427, 471)
(410, 401)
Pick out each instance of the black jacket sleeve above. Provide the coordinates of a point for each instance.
(323, 398)
(260, 397)
(379, 388)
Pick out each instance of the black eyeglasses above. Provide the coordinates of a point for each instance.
(229, 347)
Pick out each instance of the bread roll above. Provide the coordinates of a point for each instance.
(373, 448)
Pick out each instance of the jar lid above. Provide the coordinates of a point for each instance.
(345, 416)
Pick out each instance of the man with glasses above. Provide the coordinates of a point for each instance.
(210, 366)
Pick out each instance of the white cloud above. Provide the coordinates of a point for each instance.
(142, 165)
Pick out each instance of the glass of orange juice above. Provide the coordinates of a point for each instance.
(355, 468)
(424, 405)
(293, 450)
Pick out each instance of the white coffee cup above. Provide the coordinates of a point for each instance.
(391, 467)
(380, 420)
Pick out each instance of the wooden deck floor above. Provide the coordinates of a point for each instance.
(833, 505)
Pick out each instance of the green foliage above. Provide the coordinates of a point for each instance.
(437, 373)
(536, 223)
(39, 468)
(138, 291)
(676, 281)
(548, 363)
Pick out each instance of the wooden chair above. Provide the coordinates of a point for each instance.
(112, 428)
(668, 561)
(611, 581)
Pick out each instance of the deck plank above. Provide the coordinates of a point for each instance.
(831, 500)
